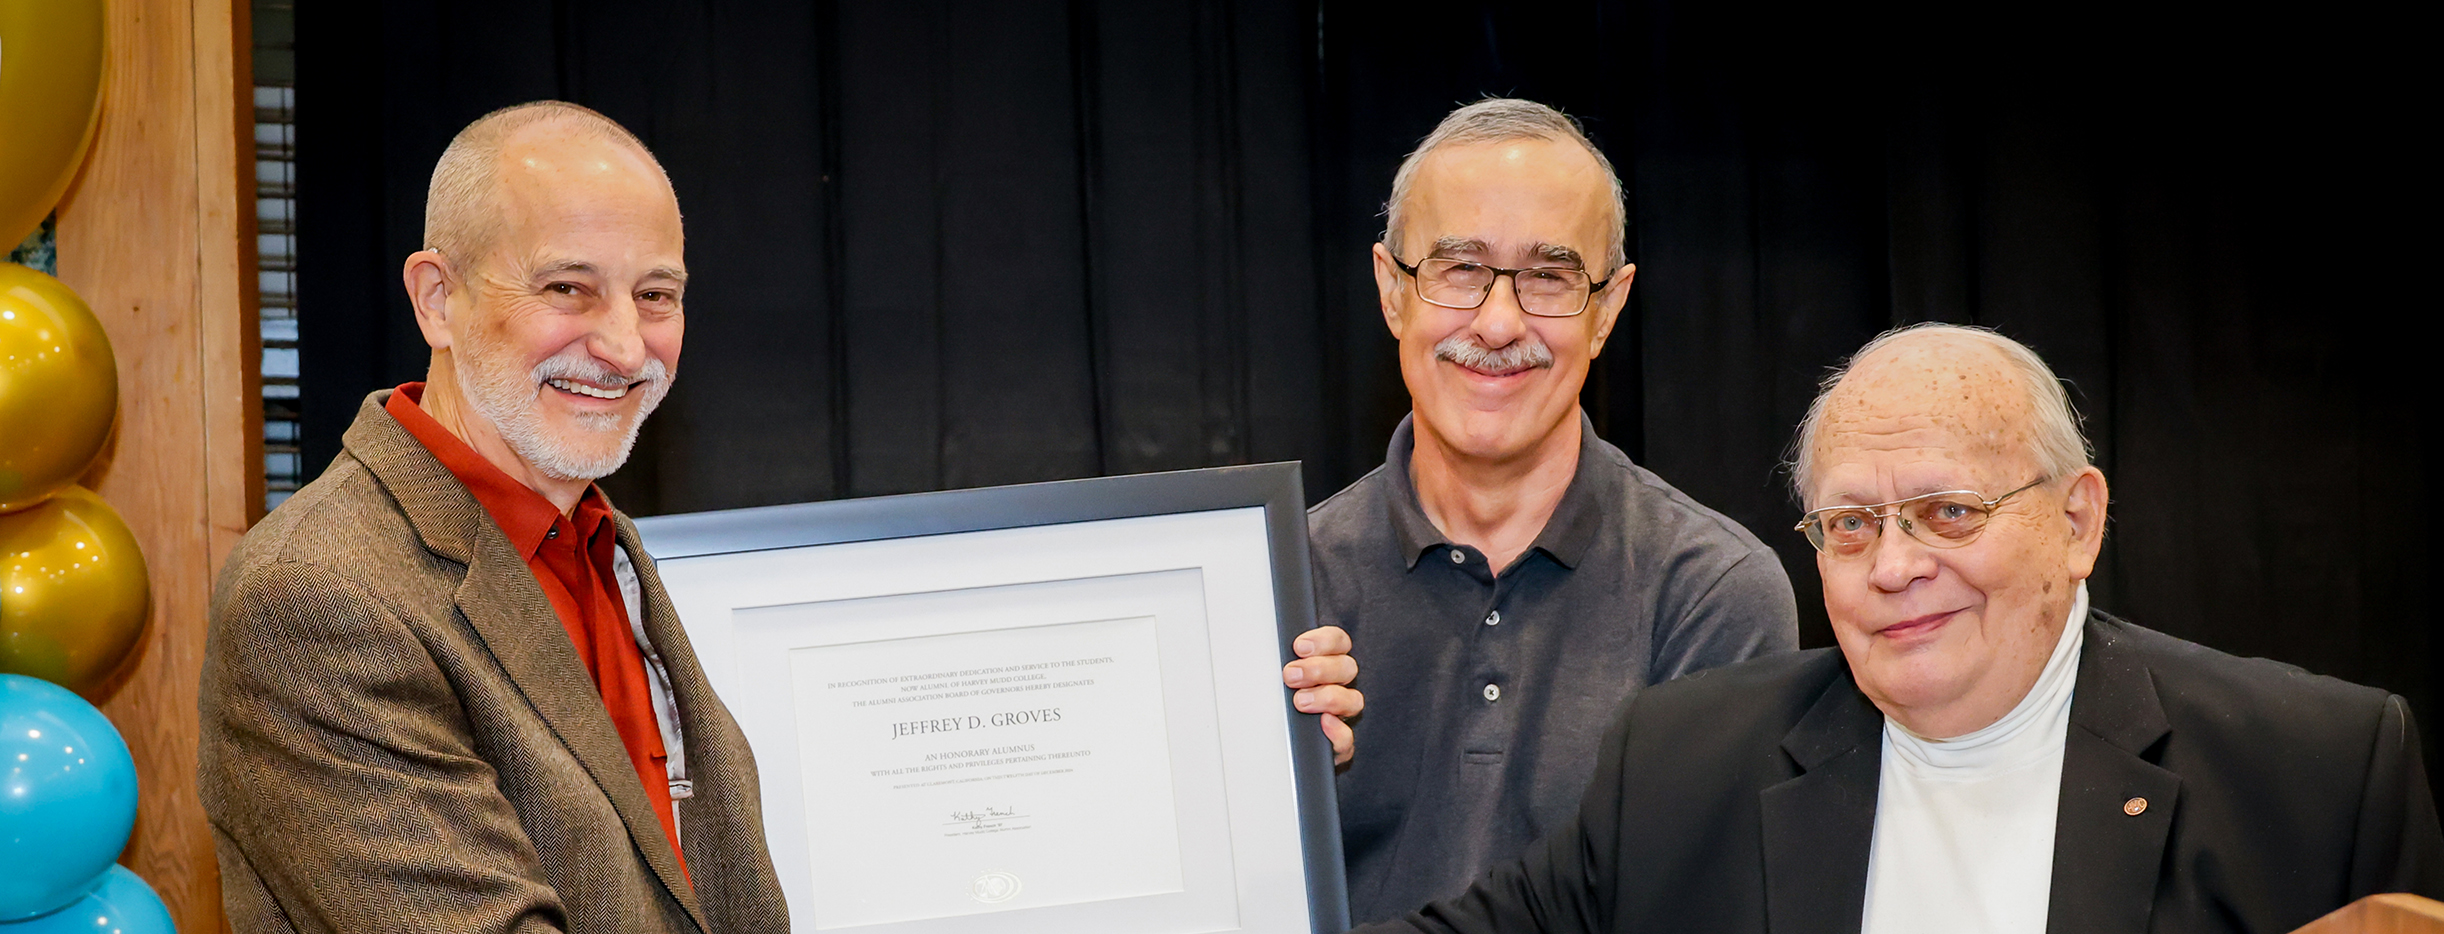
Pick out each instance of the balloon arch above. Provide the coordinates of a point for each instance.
(74, 594)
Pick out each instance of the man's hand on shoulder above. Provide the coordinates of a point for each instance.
(1322, 675)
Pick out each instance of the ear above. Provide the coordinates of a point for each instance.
(1388, 282)
(430, 281)
(1608, 305)
(2084, 504)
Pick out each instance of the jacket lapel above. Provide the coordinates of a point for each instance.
(502, 601)
(723, 829)
(2107, 860)
(1819, 826)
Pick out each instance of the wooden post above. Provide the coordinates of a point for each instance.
(157, 234)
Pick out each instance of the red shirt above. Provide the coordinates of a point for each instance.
(571, 557)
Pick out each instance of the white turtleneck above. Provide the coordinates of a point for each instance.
(1964, 827)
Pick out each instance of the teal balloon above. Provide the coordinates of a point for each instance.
(67, 797)
(121, 904)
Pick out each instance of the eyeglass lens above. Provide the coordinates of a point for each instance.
(1944, 520)
(1557, 292)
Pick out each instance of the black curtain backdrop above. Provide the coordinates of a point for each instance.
(954, 243)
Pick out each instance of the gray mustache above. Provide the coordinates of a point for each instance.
(1527, 353)
(588, 369)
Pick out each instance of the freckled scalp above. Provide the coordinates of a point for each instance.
(1943, 380)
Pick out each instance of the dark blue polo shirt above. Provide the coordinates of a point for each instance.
(1486, 695)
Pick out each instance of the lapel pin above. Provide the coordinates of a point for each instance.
(2135, 807)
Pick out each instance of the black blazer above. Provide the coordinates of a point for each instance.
(1742, 799)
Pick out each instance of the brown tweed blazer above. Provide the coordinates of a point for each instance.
(398, 736)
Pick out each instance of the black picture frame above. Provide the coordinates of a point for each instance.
(1277, 487)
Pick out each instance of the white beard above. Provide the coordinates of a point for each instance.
(507, 399)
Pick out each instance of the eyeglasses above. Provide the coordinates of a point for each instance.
(1544, 291)
(1948, 519)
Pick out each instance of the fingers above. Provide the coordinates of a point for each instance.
(1321, 672)
(1330, 699)
(1323, 658)
(1344, 741)
(1328, 669)
(1322, 640)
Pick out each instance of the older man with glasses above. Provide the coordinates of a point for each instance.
(1508, 577)
(1985, 752)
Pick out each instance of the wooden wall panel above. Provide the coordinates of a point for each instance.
(157, 237)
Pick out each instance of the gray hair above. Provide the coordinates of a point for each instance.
(1497, 120)
(459, 218)
(2060, 447)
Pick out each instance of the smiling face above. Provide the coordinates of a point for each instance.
(1493, 383)
(564, 334)
(1947, 640)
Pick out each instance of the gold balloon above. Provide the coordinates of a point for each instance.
(50, 94)
(59, 386)
(73, 592)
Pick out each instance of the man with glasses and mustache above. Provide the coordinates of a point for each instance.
(1508, 577)
(444, 689)
(1985, 751)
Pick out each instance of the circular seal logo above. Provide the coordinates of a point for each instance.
(994, 887)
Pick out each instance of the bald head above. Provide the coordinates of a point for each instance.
(554, 139)
(1972, 385)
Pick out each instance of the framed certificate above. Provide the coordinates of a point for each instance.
(1054, 707)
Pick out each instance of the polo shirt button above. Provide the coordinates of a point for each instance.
(1493, 692)
(1458, 557)
(1494, 618)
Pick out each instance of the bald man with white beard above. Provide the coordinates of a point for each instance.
(444, 688)
(1985, 751)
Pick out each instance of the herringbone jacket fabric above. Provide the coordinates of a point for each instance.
(398, 736)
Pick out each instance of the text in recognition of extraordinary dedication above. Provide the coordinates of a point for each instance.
(1006, 768)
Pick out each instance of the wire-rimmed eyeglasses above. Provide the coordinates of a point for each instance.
(1948, 519)
(1544, 291)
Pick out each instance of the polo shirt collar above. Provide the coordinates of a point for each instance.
(1566, 536)
(1580, 515)
(1410, 527)
(524, 515)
